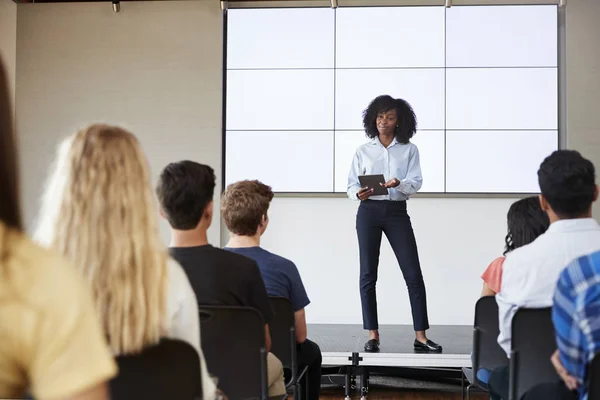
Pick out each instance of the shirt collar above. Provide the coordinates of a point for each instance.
(573, 225)
(376, 142)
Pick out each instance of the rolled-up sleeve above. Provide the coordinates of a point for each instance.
(413, 180)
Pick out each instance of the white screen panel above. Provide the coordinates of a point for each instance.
(422, 88)
(496, 161)
(501, 36)
(286, 161)
(346, 143)
(280, 99)
(512, 98)
(431, 152)
(280, 38)
(390, 37)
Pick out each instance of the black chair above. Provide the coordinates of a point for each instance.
(593, 378)
(283, 343)
(487, 353)
(169, 370)
(233, 343)
(532, 345)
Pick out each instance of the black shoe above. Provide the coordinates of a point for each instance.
(372, 346)
(429, 347)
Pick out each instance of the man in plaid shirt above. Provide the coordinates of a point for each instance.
(576, 317)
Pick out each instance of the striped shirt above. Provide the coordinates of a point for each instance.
(576, 316)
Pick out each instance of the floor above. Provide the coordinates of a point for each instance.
(382, 394)
(395, 388)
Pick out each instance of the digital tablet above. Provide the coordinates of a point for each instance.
(373, 182)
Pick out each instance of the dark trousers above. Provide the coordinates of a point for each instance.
(551, 391)
(375, 217)
(498, 383)
(309, 355)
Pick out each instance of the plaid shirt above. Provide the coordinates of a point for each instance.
(576, 316)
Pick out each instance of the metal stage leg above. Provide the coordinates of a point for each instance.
(364, 384)
(351, 372)
(347, 385)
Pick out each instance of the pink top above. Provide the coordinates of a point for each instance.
(493, 274)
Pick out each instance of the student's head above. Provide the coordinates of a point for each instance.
(526, 221)
(185, 191)
(99, 212)
(388, 116)
(10, 214)
(244, 207)
(568, 185)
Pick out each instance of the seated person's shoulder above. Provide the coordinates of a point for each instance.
(526, 254)
(60, 331)
(282, 261)
(47, 277)
(586, 267)
(241, 265)
(238, 260)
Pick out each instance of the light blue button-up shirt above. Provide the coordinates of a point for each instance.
(400, 161)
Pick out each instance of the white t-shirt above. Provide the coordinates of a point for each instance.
(184, 320)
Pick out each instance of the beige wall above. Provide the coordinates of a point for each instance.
(583, 80)
(8, 40)
(154, 68)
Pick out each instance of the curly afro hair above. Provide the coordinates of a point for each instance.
(407, 121)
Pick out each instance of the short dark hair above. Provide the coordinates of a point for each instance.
(10, 211)
(407, 121)
(243, 205)
(526, 221)
(184, 190)
(568, 183)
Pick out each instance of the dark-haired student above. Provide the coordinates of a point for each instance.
(390, 124)
(52, 343)
(185, 191)
(526, 221)
(568, 185)
(244, 207)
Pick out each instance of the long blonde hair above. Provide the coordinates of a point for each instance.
(98, 211)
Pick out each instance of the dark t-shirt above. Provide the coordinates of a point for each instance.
(280, 275)
(222, 278)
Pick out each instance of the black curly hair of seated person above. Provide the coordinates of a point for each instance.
(407, 121)
(526, 221)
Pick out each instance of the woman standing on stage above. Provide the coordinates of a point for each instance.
(390, 124)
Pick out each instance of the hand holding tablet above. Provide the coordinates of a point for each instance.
(374, 183)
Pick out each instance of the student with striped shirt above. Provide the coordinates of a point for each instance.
(576, 318)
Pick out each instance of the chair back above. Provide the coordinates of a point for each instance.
(169, 370)
(487, 353)
(283, 332)
(593, 378)
(233, 343)
(532, 345)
